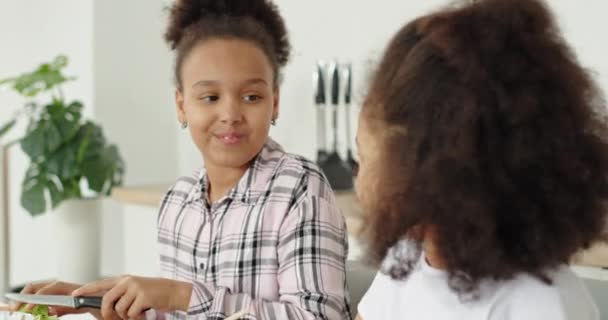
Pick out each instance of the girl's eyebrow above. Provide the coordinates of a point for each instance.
(205, 83)
(208, 83)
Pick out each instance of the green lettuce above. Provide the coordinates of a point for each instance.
(40, 312)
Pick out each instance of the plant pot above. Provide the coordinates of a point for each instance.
(77, 234)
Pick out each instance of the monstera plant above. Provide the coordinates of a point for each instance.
(68, 154)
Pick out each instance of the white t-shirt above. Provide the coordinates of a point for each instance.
(425, 295)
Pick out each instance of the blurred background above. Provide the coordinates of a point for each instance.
(124, 79)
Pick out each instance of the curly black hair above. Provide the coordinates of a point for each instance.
(500, 143)
(259, 21)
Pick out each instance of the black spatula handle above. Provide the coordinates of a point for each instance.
(335, 83)
(349, 84)
(319, 85)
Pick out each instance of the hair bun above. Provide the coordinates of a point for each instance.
(184, 13)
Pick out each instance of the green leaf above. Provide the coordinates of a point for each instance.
(53, 138)
(68, 121)
(6, 81)
(7, 126)
(60, 61)
(95, 170)
(56, 195)
(32, 196)
(98, 169)
(45, 77)
(66, 118)
(42, 139)
(91, 140)
(101, 165)
(71, 189)
(118, 167)
(33, 144)
(62, 162)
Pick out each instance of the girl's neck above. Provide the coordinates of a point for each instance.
(431, 250)
(222, 180)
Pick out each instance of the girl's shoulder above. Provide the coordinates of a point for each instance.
(183, 188)
(296, 171)
(527, 297)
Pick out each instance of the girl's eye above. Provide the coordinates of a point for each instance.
(210, 98)
(252, 98)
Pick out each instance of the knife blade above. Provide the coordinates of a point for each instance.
(57, 300)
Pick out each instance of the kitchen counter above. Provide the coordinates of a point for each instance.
(596, 256)
(150, 196)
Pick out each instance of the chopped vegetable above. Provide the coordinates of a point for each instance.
(40, 312)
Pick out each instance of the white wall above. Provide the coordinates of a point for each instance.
(584, 27)
(31, 32)
(133, 85)
(134, 103)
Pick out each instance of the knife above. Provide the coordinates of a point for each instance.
(57, 300)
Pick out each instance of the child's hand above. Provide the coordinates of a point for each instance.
(128, 297)
(56, 287)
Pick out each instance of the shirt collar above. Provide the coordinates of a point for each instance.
(252, 184)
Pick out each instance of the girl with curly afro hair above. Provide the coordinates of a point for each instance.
(483, 168)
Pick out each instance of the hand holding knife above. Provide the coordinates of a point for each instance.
(57, 300)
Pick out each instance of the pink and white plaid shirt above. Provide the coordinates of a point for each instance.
(275, 246)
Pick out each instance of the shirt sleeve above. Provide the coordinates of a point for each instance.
(312, 253)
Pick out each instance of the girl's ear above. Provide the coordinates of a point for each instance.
(275, 103)
(179, 106)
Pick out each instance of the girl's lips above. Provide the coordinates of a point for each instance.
(230, 138)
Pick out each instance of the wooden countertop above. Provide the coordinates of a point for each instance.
(597, 256)
(141, 195)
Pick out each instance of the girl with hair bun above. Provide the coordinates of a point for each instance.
(256, 231)
(483, 168)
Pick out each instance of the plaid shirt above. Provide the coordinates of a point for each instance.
(274, 246)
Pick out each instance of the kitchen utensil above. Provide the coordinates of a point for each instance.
(337, 172)
(334, 74)
(348, 90)
(320, 106)
(57, 300)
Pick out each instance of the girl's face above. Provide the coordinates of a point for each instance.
(228, 98)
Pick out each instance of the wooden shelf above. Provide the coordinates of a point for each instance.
(142, 195)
